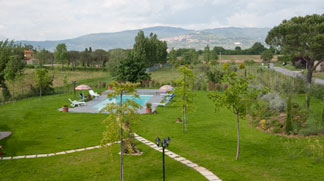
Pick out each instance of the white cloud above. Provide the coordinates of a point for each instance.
(61, 19)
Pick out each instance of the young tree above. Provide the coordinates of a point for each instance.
(237, 98)
(42, 80)
(60, 54)
(301, 36)
(132, 69)
(120, 115)
(185, 93)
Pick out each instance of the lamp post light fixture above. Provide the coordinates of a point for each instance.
(164, 143)
(74, 83)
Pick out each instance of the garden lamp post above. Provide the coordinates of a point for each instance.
(74, 83)
(164, 143)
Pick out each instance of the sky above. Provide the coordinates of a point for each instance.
(64, 19)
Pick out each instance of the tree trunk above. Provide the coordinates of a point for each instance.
(310, 66)
(323, 115)
(185, 118)
(5, 91)
(121, 144)
(40, 91)
(238, 137)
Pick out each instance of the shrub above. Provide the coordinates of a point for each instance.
(276, 103)
(317, 91)
(148, 105)
(288, 118)
(276, 130)
(249, 62)
(316, 149)
(242, 66)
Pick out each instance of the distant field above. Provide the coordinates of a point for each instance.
(165, 74)
(240, 58)
(24, 85)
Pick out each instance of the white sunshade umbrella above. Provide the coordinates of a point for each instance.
(166, 88)
(83, 87)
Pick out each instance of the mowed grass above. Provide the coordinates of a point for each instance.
(38, 127)
(97, 165)
(211, 142)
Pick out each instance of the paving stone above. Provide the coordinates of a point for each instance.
(98, 146)
(51, 154)
(192, 165)
(179, 158)
(60, 153)
(41, 155)
(70, 151)
(30, 156)
(90, 148)
(18, 157)
(206, 172)
(7, 158)
(200, 169)
(81, 149)
(186, 162)
(213, 177)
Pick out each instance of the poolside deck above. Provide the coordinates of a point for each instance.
(89, 107)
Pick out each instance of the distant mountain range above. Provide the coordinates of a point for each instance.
(175, 37)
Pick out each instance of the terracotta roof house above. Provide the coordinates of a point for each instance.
(29, 56)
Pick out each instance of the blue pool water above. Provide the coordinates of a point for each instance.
(142, 99)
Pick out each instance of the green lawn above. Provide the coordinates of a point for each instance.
(38, 127)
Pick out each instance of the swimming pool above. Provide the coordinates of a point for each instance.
(142, 99)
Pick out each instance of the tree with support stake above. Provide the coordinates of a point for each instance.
(184, 93)
(237, 98)
(120, 115)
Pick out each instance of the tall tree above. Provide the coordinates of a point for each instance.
(267, 55)
(114, 58)
(185, 93)
(43, 56)
(301, 36)
(13, 70)
(237, 98)
(120, 115)
(207, 54)
(132, 69)
(73, 56)
(8, 52)
(100, 57)
(60, 54)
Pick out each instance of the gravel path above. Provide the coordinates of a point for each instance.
(295, 74)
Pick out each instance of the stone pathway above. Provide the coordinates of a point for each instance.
(53, 154)
(203, 171)
(4, 134)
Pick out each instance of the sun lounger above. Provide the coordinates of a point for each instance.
(167, 100)
(93, 93)
(76, 103)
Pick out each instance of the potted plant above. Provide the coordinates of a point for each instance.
(65, 108)
(148, 108)
(110, 87)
